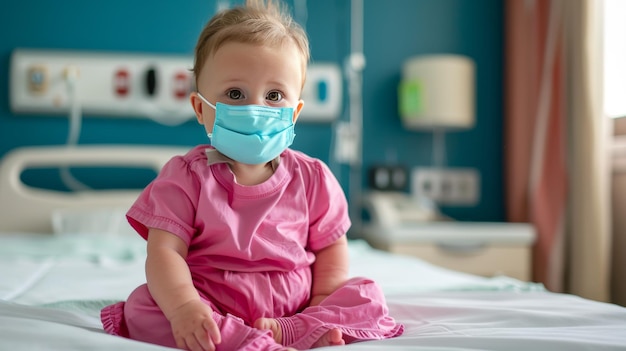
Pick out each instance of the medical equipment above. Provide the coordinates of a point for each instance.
(347, 137)
(154, 86)
(110, 84)
(391, 209)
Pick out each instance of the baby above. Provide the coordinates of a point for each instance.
(246, 238)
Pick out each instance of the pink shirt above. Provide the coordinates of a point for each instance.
(231, 228)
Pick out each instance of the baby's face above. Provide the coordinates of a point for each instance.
(247, 74)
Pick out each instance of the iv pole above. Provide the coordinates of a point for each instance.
(355, 63)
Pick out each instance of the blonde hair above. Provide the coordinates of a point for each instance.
(257, 22)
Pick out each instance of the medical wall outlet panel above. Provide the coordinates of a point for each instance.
(447, 186)
(153, 86)
(104, 84)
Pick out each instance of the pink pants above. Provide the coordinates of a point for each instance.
(357, 308)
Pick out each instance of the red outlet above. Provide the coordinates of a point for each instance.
(181, 85)
(121, 82)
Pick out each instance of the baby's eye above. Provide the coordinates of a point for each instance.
(235, 94)
(274, 96)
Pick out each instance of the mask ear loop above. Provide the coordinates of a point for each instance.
(206, 101)
(210, 135)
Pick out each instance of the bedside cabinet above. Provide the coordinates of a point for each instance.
(480, 248)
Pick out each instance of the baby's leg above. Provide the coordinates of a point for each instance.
(238, 336)
(356, 311)
(140, 318)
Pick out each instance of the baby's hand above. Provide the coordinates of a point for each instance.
(194, 328)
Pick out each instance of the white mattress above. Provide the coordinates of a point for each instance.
(52, 288)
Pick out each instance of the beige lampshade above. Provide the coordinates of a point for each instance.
(437, 91)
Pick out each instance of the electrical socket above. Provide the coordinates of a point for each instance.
(447, 186)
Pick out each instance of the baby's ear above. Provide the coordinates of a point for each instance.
(297, 110)
(196, 103)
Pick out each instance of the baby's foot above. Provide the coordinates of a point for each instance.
(270, 324)
(333, 337)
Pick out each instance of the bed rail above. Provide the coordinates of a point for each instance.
(24, 208)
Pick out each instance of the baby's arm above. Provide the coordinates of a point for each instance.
(330, 269)
(170, 284)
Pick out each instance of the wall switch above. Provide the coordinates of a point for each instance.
(388, 177)
(447, 186)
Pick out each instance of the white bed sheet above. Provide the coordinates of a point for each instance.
(52, 288)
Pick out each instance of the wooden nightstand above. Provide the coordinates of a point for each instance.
(481, 248)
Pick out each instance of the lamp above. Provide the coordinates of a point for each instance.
(437, 93)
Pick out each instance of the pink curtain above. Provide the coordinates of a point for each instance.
(535, 131)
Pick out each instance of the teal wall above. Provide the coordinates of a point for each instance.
(394, 31)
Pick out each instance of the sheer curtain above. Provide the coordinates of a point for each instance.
(557, 169)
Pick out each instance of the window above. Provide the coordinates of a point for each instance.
(615, 58)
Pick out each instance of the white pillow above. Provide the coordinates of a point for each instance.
(101, 221)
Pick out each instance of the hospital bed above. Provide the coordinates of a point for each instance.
(61, 261)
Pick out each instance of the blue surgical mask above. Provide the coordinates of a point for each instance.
(251, 134)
